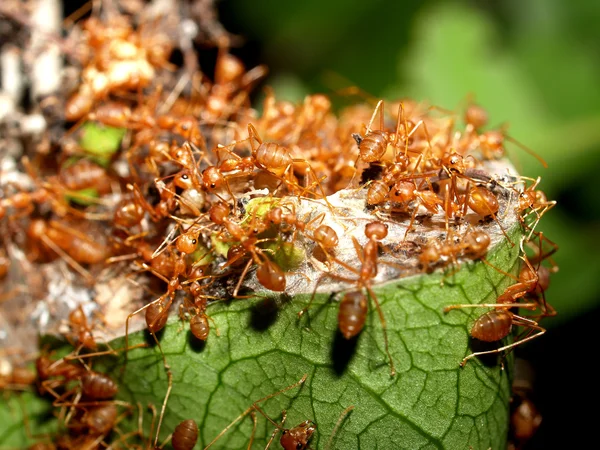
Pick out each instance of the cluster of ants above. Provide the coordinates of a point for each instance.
(205, 199)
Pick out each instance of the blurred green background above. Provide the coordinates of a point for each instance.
(534, 64)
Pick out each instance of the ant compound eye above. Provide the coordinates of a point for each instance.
(194, 241)
(213, 185)
(185, 177)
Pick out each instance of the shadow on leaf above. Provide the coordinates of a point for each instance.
(196, 345)
(264, 314)
(490, 360)
(150, 341)
(342, 352)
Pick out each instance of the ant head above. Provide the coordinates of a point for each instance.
(297, 438)
(376, 230)
(212, 178)
(454, 162)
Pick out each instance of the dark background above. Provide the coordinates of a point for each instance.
(534, 65)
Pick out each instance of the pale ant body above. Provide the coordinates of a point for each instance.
(231, 87)
(85, 174)
(124, 60)
(55, 238)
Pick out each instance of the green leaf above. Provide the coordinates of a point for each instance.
(101, 141)
(262, 347)
(22, 415)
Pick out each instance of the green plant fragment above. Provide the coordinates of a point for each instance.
(101, 141)
(219, 246)
(84, 197)
(287, 255)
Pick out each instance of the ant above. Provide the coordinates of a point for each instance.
(82, 330)
(296, 438)
(497, 324)
(70, 244)
(353, 306)
(533, 201)
(255, 407)
(231, 87)
(373, 146)
(199, 322)
(268, 273)
(277, 160)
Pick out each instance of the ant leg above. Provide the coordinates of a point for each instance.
(531, 306)
(254, 425)
(70, 261)
(412, 219)
(383, 329)
(321, 278)
(255, 407)
(378, 108)
(169, 387)
(337, 426)
(242, 276)
(529, 323)
(277, 429)
(527, 150)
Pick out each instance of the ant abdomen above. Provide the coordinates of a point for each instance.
(101, 419)
(273, 156)
(199, 327)
(483, 201)
(352, 314)
(492, 326)
(271, 276)
(326, 236)
(156, 317)
(185, 435)
(377, 193)
(98, 386)
(373, 146)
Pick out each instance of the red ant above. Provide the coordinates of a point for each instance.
(497, 324)
(268, 273)
(353, 306)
